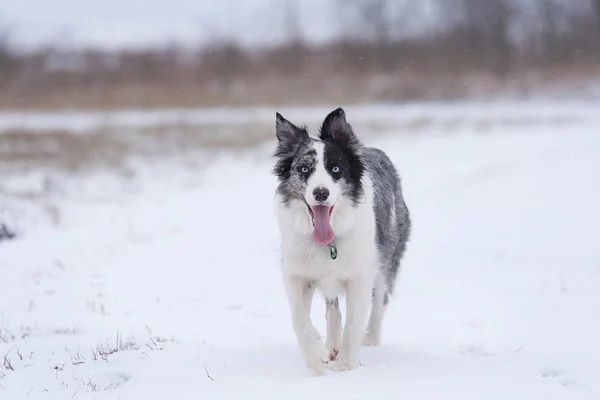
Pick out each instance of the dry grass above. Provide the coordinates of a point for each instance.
(6, 233)
(318, 84)
(109, 347)
(6, 336)
(111, 147)
(7, 362)
(59, 148)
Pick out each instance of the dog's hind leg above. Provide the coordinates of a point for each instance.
(300, 294)
(379, 302)
(334, 327)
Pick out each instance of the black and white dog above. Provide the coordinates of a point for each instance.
(344, 226)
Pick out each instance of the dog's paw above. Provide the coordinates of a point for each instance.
(344, 364)
(316, 357)
(316, 364)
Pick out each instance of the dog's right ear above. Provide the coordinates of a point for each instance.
(290, 139)
(287, 133)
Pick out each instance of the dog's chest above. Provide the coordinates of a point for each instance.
(315, 263)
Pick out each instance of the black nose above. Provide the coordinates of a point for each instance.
(321, 194)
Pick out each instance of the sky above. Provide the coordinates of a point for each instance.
(119, 23)
(133, 23)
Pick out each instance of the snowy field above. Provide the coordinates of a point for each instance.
(164, 283)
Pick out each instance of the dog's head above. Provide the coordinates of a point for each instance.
(322, 173)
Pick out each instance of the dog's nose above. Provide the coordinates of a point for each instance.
(321, 193)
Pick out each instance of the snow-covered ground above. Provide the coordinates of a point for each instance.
(413, 114)
(165, 284)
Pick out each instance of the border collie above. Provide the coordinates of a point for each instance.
(344, 227)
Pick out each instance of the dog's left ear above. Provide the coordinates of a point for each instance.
(335, 127)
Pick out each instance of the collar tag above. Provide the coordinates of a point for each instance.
(333, 251)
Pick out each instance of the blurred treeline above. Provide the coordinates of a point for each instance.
(385, 50)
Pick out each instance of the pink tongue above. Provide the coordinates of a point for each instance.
(323, 234)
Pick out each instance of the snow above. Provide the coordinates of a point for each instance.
(430, 114)
(166, 284)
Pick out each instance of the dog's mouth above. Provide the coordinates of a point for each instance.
(321, 220)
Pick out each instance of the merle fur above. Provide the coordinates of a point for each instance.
(392, 217)
(343, 148)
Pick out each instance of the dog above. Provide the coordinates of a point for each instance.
(344, 227)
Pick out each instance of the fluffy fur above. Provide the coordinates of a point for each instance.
(371, 224)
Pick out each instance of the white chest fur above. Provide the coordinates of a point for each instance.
(308, 260)
(355, 243)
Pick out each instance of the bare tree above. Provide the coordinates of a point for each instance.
(8, 60)
(292, 21)
(224, 63)
(487, 24)
(376, 23)
(293, 56)
(550, 11)
(596, 5)
(370, 20)
(484, 37)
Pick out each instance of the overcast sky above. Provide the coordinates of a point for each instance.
(134, 22)
(127, 23)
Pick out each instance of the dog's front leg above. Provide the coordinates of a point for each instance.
(300, 295)
(358, 297)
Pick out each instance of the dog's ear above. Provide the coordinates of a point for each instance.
(287, 133)
(290, 139)
(335, 127)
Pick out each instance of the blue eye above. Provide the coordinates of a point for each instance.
(336, 169)
(304, 169)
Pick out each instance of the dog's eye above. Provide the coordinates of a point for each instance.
(336, 169)
(304, 170)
